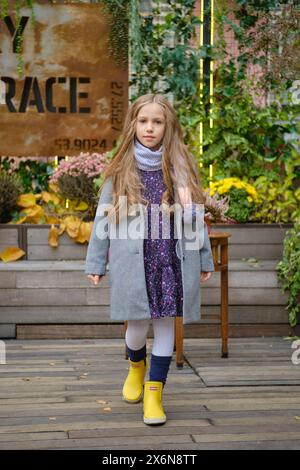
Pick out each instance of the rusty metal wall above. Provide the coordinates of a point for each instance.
(72, 96)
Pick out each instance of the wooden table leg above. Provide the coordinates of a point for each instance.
(179, 342)
(224, 299)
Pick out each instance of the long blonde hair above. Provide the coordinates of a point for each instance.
(178, 165)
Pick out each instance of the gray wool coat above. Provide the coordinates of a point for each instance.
(128, 292)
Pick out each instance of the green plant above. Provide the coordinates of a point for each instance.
(33, 172)
(79, 189)
(288, 271)
(10, 190)
(274, 45)
(242, 197)
(247, 138)
(216, 208)
(240, 208)
(118, 19)
(278, 201)
(166, 61)
(78, 179)
(4, 7)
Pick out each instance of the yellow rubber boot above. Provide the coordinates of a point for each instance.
(153, 409)
(133, 386)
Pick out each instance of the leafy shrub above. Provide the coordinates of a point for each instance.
(279, 195)
(76, 179)
(10, 190)
(288, 271)
(241, 195)
(34, 172)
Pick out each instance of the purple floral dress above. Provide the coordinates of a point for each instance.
(162, 265)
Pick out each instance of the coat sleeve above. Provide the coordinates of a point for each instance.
(97, 253)
(206, 257)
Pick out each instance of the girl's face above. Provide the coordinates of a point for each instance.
(151, 123)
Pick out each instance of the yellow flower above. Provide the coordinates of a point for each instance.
(223, 186)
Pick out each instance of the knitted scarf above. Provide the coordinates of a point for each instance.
(146, 158)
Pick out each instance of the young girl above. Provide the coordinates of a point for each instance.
(152, 278)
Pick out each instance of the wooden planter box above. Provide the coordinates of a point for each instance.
(33, 239)
(264, 241)
(254, 240)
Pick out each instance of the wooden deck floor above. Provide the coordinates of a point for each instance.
(66, 394)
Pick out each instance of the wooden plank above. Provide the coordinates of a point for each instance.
(56, 444)
(43, 265)
(70, 331)
(34, 314)
(7, 279)
(103, 331)
(56, 314)
(7, 330)
(31, 436)
(59, 297)
(254, 233)
(57, 279)
(258, 436)
(246, 296)
(39, 236)
(258, 251)
(250, 278)
(43, 394)
(63, 252)
(8, 236)
(101, 296)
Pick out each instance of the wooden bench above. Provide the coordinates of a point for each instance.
(219, 247)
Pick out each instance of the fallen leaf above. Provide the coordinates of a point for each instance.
(72, 225)
(62, 228)
(52, 418)
(12, 253)
(84, 232)
(53, 236)
(101, 402)
(107, 408)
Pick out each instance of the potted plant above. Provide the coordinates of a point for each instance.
(215, 209)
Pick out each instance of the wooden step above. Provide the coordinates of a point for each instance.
(42, 294)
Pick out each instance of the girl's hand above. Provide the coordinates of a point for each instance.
(95, 278)
(204, 276)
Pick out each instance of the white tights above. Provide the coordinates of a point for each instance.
(163, 330)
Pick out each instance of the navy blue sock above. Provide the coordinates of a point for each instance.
(159, 368)
(137, 355)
